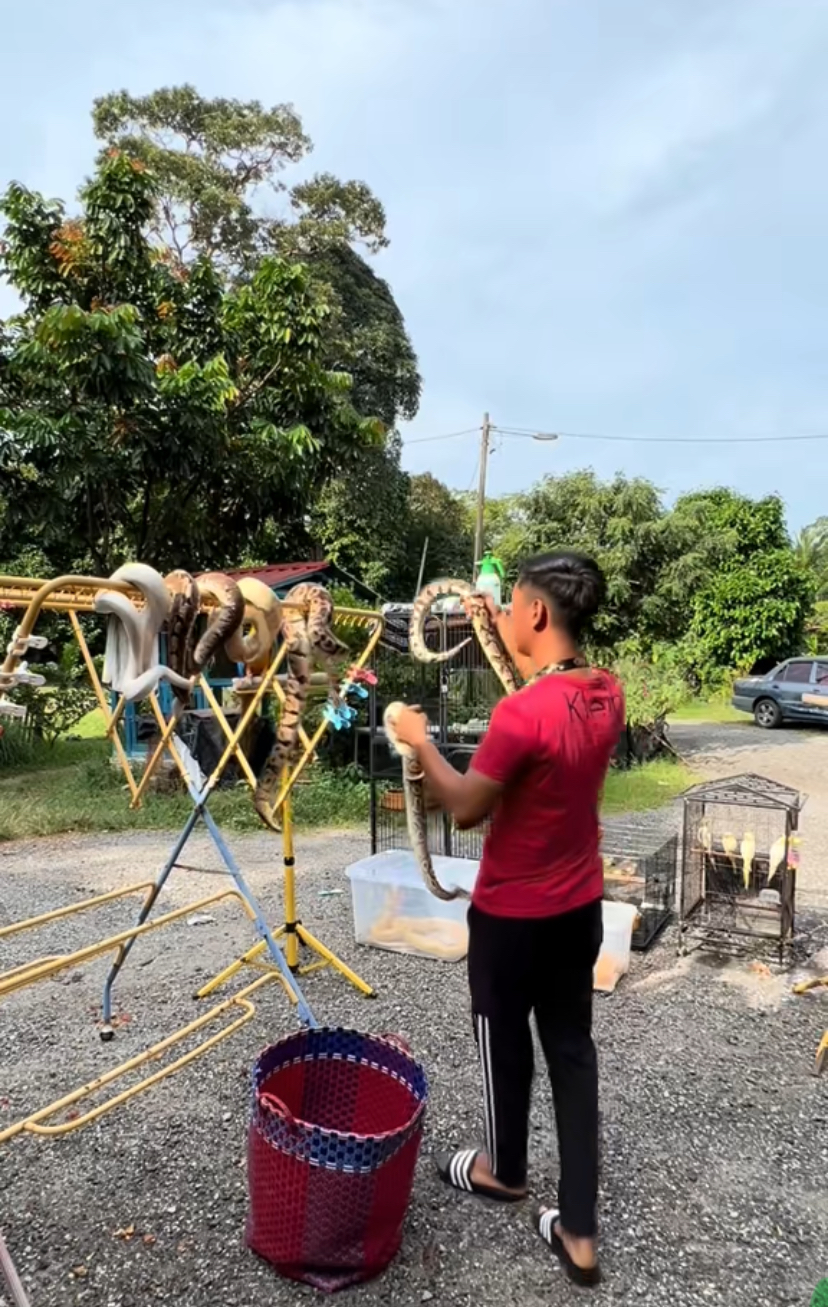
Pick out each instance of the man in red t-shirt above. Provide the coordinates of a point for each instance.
(535, 923)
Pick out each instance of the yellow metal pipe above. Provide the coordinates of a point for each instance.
(85, 905)
(9, 984)
(227, 730)
(167, 733)
(330, 959)
(248, 715)
(174, 754)
(288, 784)
(110, 718)
(289, 861)
(32, 1123)
(233, 969)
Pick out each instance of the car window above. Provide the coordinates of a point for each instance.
(822, 673)
(800, 673)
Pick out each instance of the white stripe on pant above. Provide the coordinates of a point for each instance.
(485, 1050)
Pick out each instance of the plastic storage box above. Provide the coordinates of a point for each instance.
(614, 958)
(394, 910)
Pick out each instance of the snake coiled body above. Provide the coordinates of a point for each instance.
(481, 619)
(184, 656)
(306, 630)
(413, 778)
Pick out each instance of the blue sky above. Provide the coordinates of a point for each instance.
(604, 217)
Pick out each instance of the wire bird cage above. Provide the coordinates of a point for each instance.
(640, 867)
(458, 697)
(740, 852)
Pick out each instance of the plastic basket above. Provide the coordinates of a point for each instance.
(335, 1130)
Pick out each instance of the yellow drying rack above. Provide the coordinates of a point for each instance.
(75, 595)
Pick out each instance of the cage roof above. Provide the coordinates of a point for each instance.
(748, 790)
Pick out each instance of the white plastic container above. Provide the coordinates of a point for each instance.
(614, 958)
(488, 583)
(394, 910)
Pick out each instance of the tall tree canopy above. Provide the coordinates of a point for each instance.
(716, 572)
(619, 522)
(223, 194)
(750, 594)
(147, 410)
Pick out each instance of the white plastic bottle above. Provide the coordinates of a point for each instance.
(489, 578)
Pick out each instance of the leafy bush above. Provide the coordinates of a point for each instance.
(653, 686)
(63, 701)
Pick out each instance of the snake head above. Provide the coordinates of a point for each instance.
(389, 717)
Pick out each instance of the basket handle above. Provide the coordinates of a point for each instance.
(271, 1103)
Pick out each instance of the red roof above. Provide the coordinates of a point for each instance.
(277, 575)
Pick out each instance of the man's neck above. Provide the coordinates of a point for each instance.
(551, 649)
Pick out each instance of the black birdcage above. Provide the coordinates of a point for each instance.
(740, 851)
(640, 868)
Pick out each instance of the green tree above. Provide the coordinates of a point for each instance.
(218, 162)
(620, 523)
(147, 411)
(439, 516)
(361, 519)
(376, 521)
(811, 547)
(750, 596)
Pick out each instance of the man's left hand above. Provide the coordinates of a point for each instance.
(411, 728)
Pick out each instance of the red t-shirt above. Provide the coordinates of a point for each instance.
(550, 746)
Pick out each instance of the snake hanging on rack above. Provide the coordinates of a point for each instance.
(413, 777)
(186, 657)
(307, 632)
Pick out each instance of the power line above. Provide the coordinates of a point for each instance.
(450, 435)
(537, 433)
(526, 433)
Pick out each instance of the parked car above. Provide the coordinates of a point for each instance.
(778, 696)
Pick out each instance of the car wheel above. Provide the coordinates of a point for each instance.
(767, 714)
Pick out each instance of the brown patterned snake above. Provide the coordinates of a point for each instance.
(183, 655)
(306, 628)
(413, 778)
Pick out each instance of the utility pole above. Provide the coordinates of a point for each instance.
(481, 493)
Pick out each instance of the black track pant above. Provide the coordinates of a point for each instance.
(543, 965)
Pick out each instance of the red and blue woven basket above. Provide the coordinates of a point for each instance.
(335, 1130)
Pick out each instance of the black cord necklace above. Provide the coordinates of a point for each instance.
(565, 665)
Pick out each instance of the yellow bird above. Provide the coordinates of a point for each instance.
(748, 852)
(705, 838)
(730, 844)
(777, 854)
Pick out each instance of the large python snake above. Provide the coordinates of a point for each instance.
(186, 657)
(132, 664)
(306, 630)
(413, 777)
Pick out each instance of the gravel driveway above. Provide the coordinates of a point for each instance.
(714, 1134)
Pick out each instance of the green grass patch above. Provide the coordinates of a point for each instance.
(90, 727)
(73, 786)
(707, 710)
(649, 786)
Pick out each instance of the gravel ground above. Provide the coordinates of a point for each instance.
(714, 1132)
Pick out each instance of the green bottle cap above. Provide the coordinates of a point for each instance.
(489, 566)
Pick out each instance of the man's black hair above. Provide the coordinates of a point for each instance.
(572, 584)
